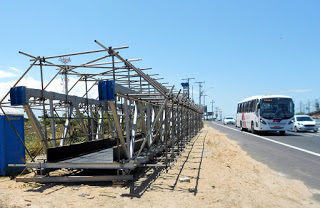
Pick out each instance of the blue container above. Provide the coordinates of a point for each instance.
(106, 90)
(18, 96)
(11, 149)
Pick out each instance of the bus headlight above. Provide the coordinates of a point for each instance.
(291, 121)
(262, 121)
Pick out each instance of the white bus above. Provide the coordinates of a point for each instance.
(266, 113)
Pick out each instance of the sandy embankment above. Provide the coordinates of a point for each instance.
(227, 177)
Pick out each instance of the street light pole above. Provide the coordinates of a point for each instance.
(200, 91)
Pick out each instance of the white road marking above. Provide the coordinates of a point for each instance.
(270, 140)
(306, 134)
(313, 134)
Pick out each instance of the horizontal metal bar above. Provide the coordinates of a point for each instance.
(73, 54)
(74, 99)
(76, 66)
(105, 63)
(76, 165)
(145, 95)
(64, 179)
(152, 98)
(85, 52)
(152, 165)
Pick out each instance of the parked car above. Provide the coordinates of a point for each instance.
(304, 123)
(229, 120)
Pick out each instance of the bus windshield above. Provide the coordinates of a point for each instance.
(276, 108)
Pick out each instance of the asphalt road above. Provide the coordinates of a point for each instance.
(294, 155)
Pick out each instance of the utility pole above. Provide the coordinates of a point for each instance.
(188, 81)
(200, 91)
(212, 101)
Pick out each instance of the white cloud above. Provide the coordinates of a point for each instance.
(6, 74)
(299, 90)
(10, 72)
(14, 69)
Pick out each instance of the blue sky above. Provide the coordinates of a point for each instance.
(240, 48)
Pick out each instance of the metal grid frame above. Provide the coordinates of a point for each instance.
(146, 119)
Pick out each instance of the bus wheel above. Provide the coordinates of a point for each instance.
(252, 128)
(282, 133)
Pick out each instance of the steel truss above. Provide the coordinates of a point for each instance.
(146, 122)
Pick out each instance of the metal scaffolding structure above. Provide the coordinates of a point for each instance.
(114, 116)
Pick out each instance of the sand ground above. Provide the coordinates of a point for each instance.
(217, 173)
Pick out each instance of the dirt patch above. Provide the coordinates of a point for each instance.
(212, 172)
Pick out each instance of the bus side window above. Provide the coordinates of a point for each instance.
(258, 108)
(254, 105)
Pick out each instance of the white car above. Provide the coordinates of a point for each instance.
(304, 123)
(229, 120)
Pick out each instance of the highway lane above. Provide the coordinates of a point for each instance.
(295, 155)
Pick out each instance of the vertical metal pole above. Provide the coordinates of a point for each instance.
(43, 102)
(134, 129)
(53, 124)
(115, 103)
(140, 84)
(100, 122)
(166, 134)
(91, 121)
(87, 108)
(179, 127)
(66, 127)
(127, 123)
(128, 77)
(66, 90)
(148, 124)
(173, 132)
